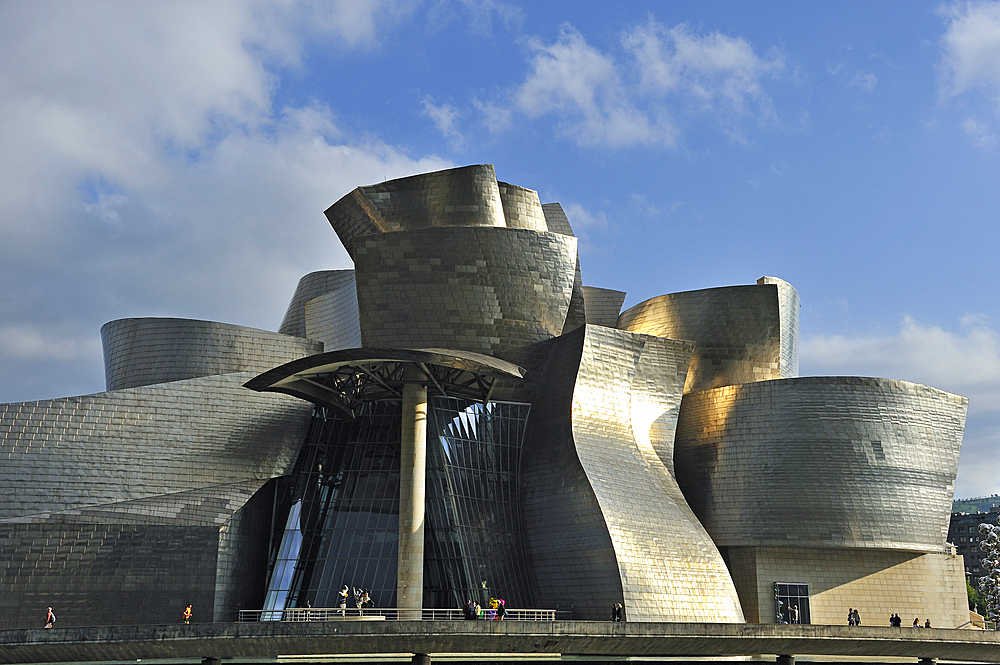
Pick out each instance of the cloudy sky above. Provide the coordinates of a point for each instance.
(174, 159)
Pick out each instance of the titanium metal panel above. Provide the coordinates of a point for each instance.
(556, 220)
(521, 208)
(603, 306)
(739, 331)
(493, 291)
(137, 561)
(623, 409)
(325, 304)
(573, 560)
(106, 574)
(123, 506)
(466, 196)
(147, 351)
(789, 310)
(332, 318)
(137, 443)
(822, 462)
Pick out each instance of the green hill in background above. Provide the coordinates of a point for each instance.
(980, 504)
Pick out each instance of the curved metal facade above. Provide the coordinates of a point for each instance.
(622, 413)
(603, 306)
(521, 208)
(789, 309)
(325, 308)
(146, 351)
(494, 291)
(822, 462)
(743, 333)
(123, 506)
(466, 196)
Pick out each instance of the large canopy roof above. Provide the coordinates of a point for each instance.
(348, 378)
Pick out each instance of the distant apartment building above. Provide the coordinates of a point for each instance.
(963, 533)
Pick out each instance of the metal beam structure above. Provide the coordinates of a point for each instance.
(348, 378)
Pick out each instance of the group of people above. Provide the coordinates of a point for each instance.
(854, 619)
(617, 612)
(498, 610)
(360, 596)
(896, 622)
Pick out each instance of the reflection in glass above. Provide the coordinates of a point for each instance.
(336, 518)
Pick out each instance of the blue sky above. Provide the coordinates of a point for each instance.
(174, 159)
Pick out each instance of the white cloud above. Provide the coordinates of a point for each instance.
(495, 118)
(966, 363)
(970, 64)
(144, 172)
(583, 87)
(971, 48)
(865, 80)
(582, 218)
(445, 117)
(712, 69)
(33, 342)
(634, 99)
(981, 133)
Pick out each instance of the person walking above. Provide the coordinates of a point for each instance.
(50, 618)
(187, 614)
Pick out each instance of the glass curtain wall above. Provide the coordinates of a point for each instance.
(336, 518)
(473, 548)
(340, 512)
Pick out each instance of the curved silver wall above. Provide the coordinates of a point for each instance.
(146, 351)
(603, 306)
(789, 309)
(130, 444)
(466, 196)
(120, 507)
(458, 198)
(325, 308)
(522, 208)
(489, 290)
(742, 333)
(613, 520)
(822, 462)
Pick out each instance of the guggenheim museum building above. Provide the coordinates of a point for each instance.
(459, 417)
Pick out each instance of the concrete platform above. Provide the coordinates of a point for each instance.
(270, 640)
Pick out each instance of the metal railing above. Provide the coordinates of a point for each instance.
(384, 614)
(979, 624)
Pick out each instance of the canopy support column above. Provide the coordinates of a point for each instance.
(412, 488)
